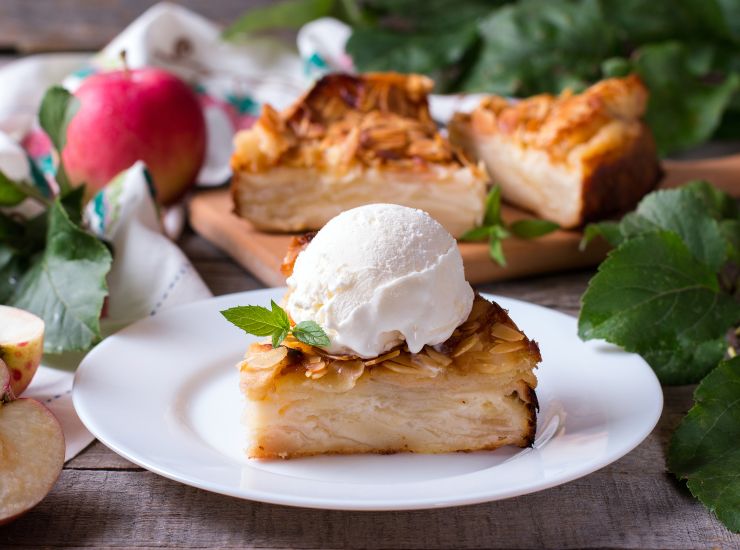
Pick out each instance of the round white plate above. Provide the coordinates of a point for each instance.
(164, 393)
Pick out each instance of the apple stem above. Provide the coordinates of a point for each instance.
(124, 61)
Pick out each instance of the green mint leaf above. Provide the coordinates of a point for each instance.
(310, 333)
(532, 228)
(66, 285)
(57, 109)
(289, 14)
(652, 294)
(10, 192)
(279, 336)
(256, 320)
(492, 214)
(280, 316)
(476, 234)
(704, 449)
(496, 250)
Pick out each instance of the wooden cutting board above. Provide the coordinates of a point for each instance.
(262, 253)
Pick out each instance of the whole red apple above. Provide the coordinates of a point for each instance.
(144, 114)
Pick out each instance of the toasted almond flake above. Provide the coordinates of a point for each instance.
(440, 358)
(266, 359)
(470, 326)
(505, 332)
(381, 358)
(314, 367)
(465, 345)
(399, 368)
(506, 347)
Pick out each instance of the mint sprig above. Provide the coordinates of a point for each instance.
(670, 291)
(274, 322)
(496, 230)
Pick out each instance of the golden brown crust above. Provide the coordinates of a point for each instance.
(298, 244)
(375, 119)
(557, 124)
(616, 180)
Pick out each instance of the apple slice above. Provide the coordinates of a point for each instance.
(21, 345)
(31, 456)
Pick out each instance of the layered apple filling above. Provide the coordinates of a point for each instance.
(473, 392)
(349, 141)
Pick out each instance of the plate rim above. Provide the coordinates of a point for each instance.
(317, 502)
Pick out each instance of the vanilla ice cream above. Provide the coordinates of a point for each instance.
(378, 275)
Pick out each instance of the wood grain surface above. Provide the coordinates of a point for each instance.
(103, 501)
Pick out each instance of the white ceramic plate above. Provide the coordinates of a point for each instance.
(164, 394)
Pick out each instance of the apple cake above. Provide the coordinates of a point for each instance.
(475, 391)
(353, 140)
(571, 159)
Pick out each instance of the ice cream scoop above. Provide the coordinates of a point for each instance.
(379, 275)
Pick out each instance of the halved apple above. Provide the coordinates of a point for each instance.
(31, 456)
(21, 345)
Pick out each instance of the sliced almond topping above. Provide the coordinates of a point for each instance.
(505, 332)
(381, 358)
(466, 345)
(265, 360)
(440, 358)
(399, 368)
(506, 347)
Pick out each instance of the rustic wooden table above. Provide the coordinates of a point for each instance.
(103, 501)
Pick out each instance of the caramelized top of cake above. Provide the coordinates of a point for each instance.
(487, 342)
(559, 124)
(376, 119)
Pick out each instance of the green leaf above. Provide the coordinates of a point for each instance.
(495, 244)
(66, 285)
(652, 296)
(57, 109)
(685, 106)
(256, 320)
(476, 234)
(704, 448)
(683, 212)
(609, 231)
(278, 337)
(429, 53)
(492, 211)
(10, 194)
(289, 14)
(12, 267)
(311, 333)
(537, 46)
(533, 228)
(686, 361)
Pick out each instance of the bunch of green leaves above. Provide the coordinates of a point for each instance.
(274, 322)
(50, 264)
(496, 230)
(686, 51)
(670, 291)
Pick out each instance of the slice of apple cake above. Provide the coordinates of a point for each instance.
(473, 392)
(353, 140)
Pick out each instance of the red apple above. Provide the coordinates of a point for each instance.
(143, 114)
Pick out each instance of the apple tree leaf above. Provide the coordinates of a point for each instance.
(66, 284)
(705, 448)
